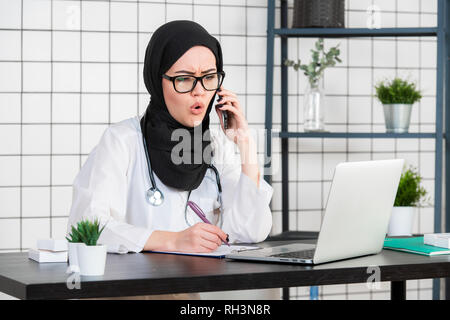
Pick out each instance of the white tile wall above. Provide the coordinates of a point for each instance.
(10, 199)
(95, 16)
(60, 89)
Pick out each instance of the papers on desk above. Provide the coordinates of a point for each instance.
(42, 256)
(437, 239)
(55, 245)
(49, 250)
(220, 252)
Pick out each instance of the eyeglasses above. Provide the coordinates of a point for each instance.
(185, 83)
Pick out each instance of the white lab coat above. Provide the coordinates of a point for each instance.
(113, 182)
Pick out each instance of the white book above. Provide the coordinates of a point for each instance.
(47, 256)
(52, 244)
(441, 240)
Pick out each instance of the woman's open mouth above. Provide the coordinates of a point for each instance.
(197, 108)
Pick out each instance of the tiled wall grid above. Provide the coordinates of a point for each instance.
(69, 69)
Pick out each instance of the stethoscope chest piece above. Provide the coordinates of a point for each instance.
(154, 196)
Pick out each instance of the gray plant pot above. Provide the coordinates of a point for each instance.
(397, 117)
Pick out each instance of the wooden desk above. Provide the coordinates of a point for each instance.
(151, 273)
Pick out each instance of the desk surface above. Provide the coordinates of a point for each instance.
(152, 273)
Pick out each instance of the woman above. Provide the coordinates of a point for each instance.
(113, 184)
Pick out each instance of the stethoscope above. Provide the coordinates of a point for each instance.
(155, 197)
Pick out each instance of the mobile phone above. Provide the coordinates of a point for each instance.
(225, 119)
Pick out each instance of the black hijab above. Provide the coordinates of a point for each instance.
(167, 44)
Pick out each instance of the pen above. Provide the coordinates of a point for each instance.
(202, 216)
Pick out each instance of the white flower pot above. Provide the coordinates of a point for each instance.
(88, 260)
(401, 222)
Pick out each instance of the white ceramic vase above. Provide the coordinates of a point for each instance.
(401, 222)
(88, 260)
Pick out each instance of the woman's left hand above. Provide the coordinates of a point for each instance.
(237, 128)
(238, 132)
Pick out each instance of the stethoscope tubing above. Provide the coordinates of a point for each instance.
(154, 189)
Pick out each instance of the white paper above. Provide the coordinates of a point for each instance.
(219, 252)
(52, 244)
(42, 256)
(441, 240)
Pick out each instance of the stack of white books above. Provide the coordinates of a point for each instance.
(49, 250)
(441, 240)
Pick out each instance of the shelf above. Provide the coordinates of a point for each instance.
(360, 135)
(356, 32)
(441, 134)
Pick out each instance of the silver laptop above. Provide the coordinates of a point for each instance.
(356, 219)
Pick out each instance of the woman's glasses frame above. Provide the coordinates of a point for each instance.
(172, 79)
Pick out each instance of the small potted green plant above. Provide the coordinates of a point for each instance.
(84, 252)
(410, 194)
(314, 96)
(397, 97)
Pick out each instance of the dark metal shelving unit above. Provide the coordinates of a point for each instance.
(355, 135)
(355, 32)
(439, 136)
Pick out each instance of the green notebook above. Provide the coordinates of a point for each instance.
(413, 245)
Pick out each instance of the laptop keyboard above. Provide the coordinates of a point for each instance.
(304, 254)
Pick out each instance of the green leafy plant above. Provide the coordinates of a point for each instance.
(409, 192)
(86, 232)
(320, 61)
(397, 91)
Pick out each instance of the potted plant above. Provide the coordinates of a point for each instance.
(410, 194)
(84, 253)
(314, 96)
(397, 97)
